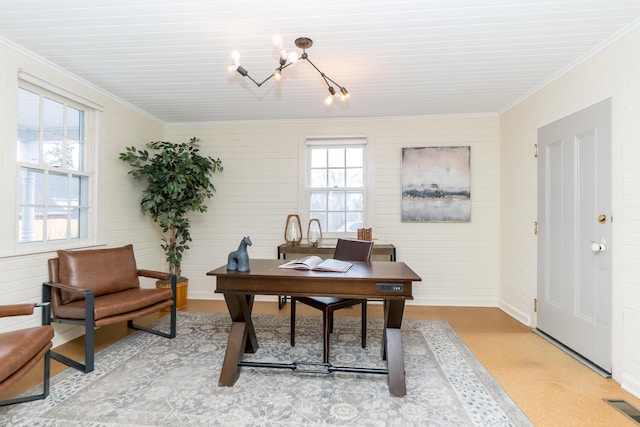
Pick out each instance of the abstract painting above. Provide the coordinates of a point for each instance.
(436, 184)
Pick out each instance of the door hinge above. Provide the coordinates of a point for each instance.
(535, 305)
(535, 227)
(535, 150)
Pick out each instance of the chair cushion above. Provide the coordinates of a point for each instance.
(127, 303)
(104, 271)
(326, 300)
(329, 303)
(17, 348)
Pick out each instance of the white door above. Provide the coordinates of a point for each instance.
(574, 232)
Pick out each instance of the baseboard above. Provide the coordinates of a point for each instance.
(454, 301)
(631, 384)
(517, 314)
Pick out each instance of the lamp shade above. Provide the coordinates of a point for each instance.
(293, 230)
(314, 232)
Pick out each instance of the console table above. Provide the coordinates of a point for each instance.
(328, 249)
(382, 249)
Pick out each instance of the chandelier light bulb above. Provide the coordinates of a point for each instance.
(277, 76)
(293, 57)
(277, 41)
(344, 94)
(329, 99)
(235, 56)
(283, 57)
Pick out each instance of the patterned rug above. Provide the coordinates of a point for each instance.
(145, 380)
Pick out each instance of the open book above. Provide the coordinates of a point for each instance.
(313, 262)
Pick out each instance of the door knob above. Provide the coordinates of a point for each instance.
(602, 218)
(598, 247)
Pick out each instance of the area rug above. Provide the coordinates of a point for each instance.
(145, 380)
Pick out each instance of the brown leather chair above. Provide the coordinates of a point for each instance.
(22, 349)
(100, 287)
(346, 250)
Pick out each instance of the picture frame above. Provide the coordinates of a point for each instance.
(436, 184)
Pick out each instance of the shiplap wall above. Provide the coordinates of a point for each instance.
(119, 218)
(614, 72)
(259, 187)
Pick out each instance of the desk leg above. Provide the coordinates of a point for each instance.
(392, 346)
(242, 337)
(282, 299)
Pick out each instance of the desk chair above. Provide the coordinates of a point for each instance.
(346, 250)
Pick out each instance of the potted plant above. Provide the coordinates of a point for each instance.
(178, 181)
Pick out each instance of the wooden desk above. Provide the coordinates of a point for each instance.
(389, 281)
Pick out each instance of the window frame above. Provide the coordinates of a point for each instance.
(86, 170)
(368, 181)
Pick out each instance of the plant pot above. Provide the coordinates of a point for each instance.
(181, 291)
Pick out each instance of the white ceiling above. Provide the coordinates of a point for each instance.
(396, 57)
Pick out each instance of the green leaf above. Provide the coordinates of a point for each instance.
(179, 181)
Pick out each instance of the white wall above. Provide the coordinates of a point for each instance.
(614, 72)
(120, 220)
(259, 187)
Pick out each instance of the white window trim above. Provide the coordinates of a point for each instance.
(30, 82)
(42, 84)
(303, 189)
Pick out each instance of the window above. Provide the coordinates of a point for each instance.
(336, 177)
(53, 178)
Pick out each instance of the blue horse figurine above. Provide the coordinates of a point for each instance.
(239, 259)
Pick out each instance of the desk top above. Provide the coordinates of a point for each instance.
(362, 280)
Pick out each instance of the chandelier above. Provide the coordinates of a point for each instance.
(287, 59)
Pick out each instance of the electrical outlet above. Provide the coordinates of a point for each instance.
(389, 287)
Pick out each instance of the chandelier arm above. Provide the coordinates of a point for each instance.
(323, 75)
(264, 81)
(268, 78)
(334, 82)
(251, 78)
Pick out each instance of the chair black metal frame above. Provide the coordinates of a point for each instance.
(89, 321)
(346, 250)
